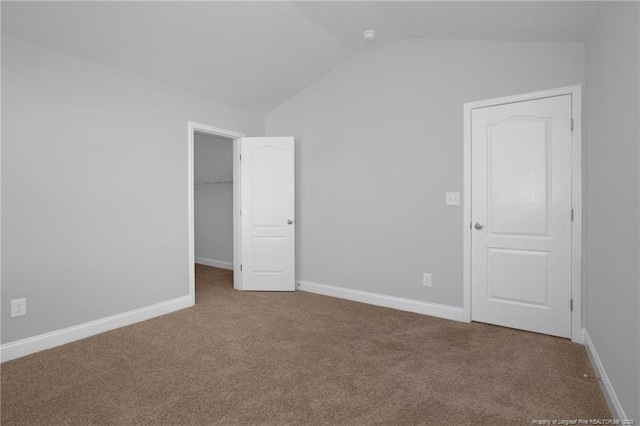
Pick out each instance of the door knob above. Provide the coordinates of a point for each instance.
(289, 222)
(478, 226)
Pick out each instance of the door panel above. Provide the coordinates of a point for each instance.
(268, 254)
(267, 169)
(518, 176)
(268, 228)
(521, 200)
(518, 276)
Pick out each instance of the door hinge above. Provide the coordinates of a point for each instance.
(571, 305)
(241, 154)
(241, 266)
(572, 124)
(571, 215)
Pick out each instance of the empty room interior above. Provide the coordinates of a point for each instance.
(331, 212)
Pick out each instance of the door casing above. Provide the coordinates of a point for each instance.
(235, 136)
(576, 195)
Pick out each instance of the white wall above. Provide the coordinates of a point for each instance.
(94, 188)
(379, 142)
(612, 223)
(213, 204)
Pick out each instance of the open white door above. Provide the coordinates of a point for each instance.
(267, 213)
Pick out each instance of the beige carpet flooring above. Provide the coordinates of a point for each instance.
(299, 358)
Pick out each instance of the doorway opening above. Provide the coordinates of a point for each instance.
(214, 199)
(213, 204)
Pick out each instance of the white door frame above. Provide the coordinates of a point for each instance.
(210, 130)
(576, 194)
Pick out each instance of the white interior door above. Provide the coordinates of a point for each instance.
(521, 215)
(267, 215)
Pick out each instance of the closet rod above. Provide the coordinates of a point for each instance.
(214, 183)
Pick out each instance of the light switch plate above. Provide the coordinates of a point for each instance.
(453, 198)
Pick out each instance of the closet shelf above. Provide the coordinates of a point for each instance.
(221, 182)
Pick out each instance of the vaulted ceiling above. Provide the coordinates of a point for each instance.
(256, 55)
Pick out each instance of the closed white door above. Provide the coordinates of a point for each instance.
(521, 215)
(267, 217)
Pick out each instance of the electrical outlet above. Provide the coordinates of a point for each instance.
(426, 280)
(18, 307)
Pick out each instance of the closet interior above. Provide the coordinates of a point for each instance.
(213, 200)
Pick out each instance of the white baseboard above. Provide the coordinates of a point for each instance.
(215, 263)
(41, 342)
(433, 309)
(609, 393)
